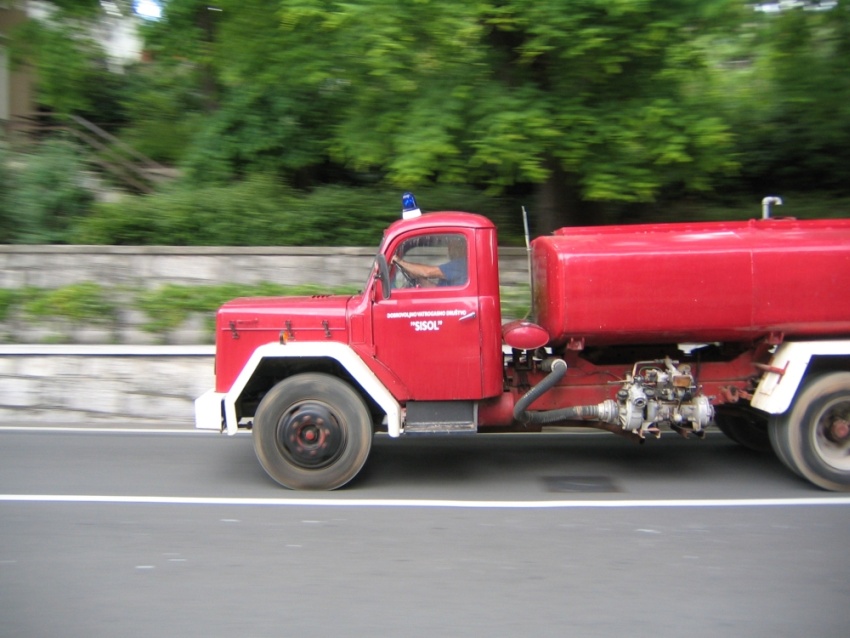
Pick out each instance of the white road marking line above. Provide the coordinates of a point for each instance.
(427, 503)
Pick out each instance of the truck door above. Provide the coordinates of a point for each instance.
(429, 331)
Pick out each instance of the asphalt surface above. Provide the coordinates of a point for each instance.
(173, 533)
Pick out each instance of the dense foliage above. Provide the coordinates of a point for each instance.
(802, 138)
(300, 121)
(260, 212)
(49, 195)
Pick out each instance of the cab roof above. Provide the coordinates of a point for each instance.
(456, 219)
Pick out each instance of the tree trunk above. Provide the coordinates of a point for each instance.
(557, 201)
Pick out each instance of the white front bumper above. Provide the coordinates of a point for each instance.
(208, 411)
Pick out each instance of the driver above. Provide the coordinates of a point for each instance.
(451, 273)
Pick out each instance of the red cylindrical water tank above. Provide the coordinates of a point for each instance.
(693, 282)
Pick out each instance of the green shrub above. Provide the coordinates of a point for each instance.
(163, 109)
(261, 212)
(186, 216)
(256, 212)
(50, 194)
(8, 299)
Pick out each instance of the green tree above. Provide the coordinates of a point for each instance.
(72, 71)
(588, 99)
(262, 114)
(803, 140)
(163, 107)
(187, 34)
(77, 8)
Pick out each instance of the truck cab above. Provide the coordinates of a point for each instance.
(419, 353)
(440, 337)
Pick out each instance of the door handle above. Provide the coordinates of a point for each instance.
(468, 315)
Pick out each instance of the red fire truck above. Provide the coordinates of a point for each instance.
(634, 329)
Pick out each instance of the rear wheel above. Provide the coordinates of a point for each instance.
(813, 437)
(313, 432)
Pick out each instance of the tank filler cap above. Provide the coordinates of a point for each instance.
(766, 203)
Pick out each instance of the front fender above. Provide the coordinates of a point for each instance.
(212, 403)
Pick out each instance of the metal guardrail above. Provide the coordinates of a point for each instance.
(19, 350)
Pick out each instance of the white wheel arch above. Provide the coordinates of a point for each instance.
(339, 352)
(776, 391)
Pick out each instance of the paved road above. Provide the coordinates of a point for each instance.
(110, 533)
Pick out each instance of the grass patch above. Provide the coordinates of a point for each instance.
(166, 308)
(8, 300)
(78, 303)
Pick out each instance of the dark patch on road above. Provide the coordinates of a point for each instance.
(581, 484)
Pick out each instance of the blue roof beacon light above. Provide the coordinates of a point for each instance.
(409, 207)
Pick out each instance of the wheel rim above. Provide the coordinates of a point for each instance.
(310, 435)
(832, 434)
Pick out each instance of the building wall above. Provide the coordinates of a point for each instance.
(16, 87)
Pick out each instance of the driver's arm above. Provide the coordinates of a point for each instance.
(420, 271)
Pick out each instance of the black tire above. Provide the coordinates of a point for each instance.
(779, 442)
(312, 432)
(744, 426)
(812, 437)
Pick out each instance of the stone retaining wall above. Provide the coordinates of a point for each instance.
(151, 267)
(102, 385)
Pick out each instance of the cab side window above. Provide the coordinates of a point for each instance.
(430, 260)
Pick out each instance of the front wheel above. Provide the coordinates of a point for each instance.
(813, 436)
(312, 432)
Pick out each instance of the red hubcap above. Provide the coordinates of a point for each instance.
(310, 435)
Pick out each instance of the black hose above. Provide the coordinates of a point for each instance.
(577, 412)
(559, 369)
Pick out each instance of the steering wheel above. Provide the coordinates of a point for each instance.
(410, 280)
